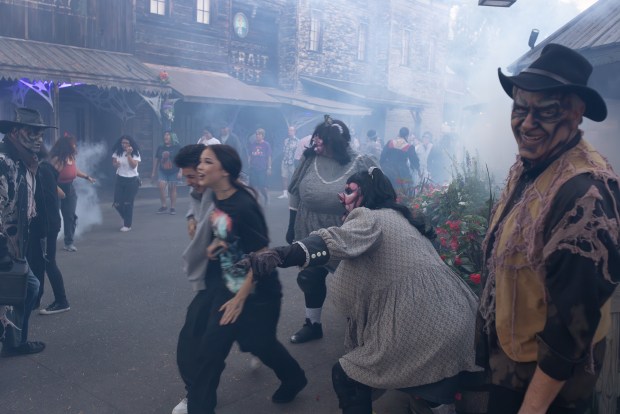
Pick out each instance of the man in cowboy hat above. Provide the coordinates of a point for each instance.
(23, 138)
(551, 252)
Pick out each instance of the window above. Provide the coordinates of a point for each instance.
(432, 56)
(203, 11)
(362, 41)
(315, 31)
(405, 47)
(158, 7)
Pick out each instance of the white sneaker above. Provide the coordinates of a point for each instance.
(255, 363)
(125, 228)
(181, 407)
(284, 195)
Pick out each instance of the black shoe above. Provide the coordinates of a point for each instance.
(308, 332)
(28, 348)
(54, 308)
(289, 390)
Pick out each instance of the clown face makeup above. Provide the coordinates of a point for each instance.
(352, 197)
(31, 138)
(543, 122)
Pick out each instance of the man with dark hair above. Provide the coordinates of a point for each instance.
(18, 170)
(187, 159)
(552, 250)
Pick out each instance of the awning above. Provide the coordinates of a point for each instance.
(364, 93)
(202, 86)
(38, 61)
(325, 106)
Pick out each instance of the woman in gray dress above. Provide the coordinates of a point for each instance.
(410, 318)
(322, 172)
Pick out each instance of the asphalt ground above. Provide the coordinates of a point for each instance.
(114, 351)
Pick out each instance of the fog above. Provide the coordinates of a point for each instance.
(88, 209)
(485, 124)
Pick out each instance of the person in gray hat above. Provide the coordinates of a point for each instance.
(22, 141)
(552, 258)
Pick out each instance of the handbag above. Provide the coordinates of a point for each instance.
(14, 283)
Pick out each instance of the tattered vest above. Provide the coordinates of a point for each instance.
(519, 253)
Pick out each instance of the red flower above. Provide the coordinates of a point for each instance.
(416, 206)
(443, 242)
(475, 278)
(458, 261)
(454, 244)
(443, 257)
(454, 225)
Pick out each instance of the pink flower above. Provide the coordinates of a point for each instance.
(454, 244)
(475, 278)
(443, 242)
(458, 261)
(454, 225)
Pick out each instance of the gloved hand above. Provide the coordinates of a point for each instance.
(290, 233)
(261, 264)
(265, 262)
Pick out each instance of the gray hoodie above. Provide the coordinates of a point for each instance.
(195, 254)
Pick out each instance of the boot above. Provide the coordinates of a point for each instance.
(308, 332)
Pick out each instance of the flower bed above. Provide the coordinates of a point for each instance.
(459, 213)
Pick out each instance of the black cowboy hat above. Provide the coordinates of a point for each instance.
(559, 68)
(24, 117)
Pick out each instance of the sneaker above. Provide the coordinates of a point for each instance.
(31, 347)
(70, 248)
(162, 210)
(54, 308)
(181, 407)
(289, 390)
(173, 211)
(308, 332)
(284, 195)
(125, 228)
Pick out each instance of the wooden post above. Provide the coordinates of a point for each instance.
(56, 111)
(608, 385)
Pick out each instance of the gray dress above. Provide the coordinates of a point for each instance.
(314, 191)
(410, 319)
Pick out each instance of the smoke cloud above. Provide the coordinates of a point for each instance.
(88, 209)
(503, 37)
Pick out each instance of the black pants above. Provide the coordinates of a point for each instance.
(125, 192)
(68, 206)
(506, 401)
(311, 281)
(45, 262)
(204, 344)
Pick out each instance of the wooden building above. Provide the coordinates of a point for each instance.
(145, 66)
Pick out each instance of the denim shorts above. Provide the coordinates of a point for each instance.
(168, 177)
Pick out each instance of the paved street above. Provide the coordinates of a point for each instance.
(114, 352)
